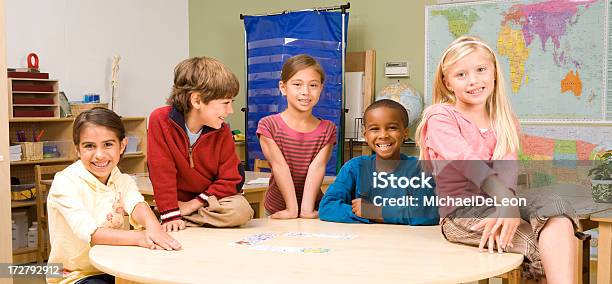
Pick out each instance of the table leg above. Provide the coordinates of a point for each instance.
(124, 281)
(578, 264)
(512, 277)
(262, 210)
(604, 253)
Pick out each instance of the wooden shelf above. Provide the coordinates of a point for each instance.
(32, 79)
(27, 92)
(131, 118)
(137, 154)
(23, 250)
(42, 119)
(24, 255)
(43, 161)
(35, 105)
(19, 204)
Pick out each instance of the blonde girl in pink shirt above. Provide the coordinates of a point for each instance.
(471, 135)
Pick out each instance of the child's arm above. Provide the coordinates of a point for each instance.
(153, 237)
(500, 228)
(442, 128)
(314, 178)
(336, 203)
(64, 196)
(282, 176)
(141, 215)
(230, 174)
(162, 171)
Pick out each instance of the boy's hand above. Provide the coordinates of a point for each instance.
(365, 209)
(309, 215)
(161, 239)
(173, 226)
(356, 206)
(285, 214)
(187, 208)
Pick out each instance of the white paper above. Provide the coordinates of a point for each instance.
(259, 181)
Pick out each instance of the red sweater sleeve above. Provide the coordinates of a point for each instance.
(162, 169)
(229, 178)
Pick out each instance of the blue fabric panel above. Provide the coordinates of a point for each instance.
(273, 39)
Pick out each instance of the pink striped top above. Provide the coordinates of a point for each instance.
(449, 136)
(298, 148)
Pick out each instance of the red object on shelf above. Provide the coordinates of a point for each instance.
(33, 113)
(28, 75)
(33, 101)
(32, 88)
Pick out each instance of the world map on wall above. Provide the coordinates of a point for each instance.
(553, 53)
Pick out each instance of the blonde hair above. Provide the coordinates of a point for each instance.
(497, 106)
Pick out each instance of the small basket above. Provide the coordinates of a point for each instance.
(23, 192)
(77, 108)
(31, 151)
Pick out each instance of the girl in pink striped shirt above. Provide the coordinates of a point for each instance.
(297, 144)
(467, 132)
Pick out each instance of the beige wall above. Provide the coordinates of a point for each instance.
(6, 250)
(394, 28)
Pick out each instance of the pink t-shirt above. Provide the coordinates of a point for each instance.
(450, 136)
(298, 148)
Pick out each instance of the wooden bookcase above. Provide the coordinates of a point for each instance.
(364, 61)
(33, 98)
(60, 129)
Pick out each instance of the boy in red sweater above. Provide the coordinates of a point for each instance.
(195, 172)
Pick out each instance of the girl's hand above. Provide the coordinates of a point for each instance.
(497, 230)
(309, 215)
(285, 214)
(161, 239)
(146, 242)
(174, 226)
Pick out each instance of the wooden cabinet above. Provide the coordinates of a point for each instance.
(33, 98)
(58, 131)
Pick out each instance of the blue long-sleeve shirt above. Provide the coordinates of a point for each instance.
(355, 181)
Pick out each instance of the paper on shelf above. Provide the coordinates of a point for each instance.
(263, 180)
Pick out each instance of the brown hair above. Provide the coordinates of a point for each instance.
(390, 104)
(100, 117)
(204, 75)
(298, 63)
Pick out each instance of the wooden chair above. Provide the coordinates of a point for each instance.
(43, 173)
(260, 164)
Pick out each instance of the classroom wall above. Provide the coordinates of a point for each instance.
(6, 249)
(394, 28)
(76, 41)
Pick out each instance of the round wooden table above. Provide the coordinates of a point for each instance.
(339, 253)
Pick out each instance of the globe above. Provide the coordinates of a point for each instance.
(407, 96)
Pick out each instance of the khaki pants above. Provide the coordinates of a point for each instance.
(230, 211)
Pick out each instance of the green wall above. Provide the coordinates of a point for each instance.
(394, 28)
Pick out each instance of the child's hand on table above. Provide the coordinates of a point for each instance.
(173, 226)
(156, 238)
(309, 215)
(285, 214)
